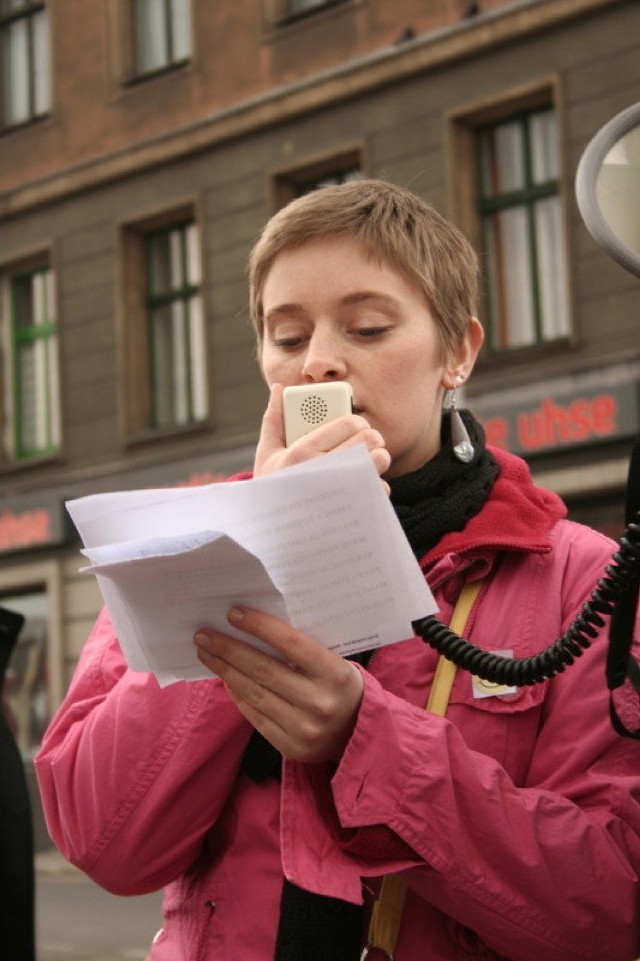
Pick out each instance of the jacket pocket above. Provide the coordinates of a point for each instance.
(502, 725)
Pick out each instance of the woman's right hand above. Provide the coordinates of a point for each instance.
(272, 454)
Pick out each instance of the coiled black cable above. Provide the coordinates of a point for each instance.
(620, 576)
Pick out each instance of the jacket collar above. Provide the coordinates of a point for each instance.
(518, 516)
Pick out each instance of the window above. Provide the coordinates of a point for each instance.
(279, 13)
(174, 311)
(523, 231)
(339, 177)
(299, 6)
(290, 9)
(164, 348)
(31, 347)
(162, 32)
(323, 172)
(24, 61)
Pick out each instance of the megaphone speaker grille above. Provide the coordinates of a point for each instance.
(314, 409)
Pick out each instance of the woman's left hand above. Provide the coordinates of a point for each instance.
(306, 705)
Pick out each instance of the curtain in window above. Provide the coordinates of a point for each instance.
(180, 30)
(26, 85)
(41, 64)
(511, 279)
(15, 73)
(545, 154)
(163, 33)
(36, 352)
(503, 162)
(152, 38)
(552, 269)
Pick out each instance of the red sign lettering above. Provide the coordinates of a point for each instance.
(24, 530)
(497, 431)
(553, 425)
(201, 478)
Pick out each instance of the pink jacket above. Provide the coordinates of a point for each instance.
(515, 820)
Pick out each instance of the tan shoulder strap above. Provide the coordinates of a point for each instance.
(386, 914)
(446, 670)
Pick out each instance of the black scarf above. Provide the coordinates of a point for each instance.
(444, 494)
(438, 498)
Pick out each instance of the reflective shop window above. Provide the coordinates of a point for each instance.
(25, 694)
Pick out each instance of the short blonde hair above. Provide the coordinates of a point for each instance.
(396, 228)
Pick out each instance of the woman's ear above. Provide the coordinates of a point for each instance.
(462, 358)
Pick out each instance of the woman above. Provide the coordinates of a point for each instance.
(271, 800)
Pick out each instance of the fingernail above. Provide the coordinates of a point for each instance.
(235, 614)
(201, 638)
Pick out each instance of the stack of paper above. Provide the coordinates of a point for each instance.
(318, 545)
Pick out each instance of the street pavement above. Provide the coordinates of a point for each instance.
(78, 921)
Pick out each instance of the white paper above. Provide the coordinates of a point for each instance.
(317, 544)
(164, 589)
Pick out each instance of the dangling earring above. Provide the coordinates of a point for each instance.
(463, 449)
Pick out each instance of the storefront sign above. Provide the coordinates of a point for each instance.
(199, 478)
(588, 417)
(191, 472)
(30, 521)
(37, 526)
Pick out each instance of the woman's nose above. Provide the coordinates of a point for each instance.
(323, 360)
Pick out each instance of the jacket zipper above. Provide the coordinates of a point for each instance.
(210, 908)
(448, 577)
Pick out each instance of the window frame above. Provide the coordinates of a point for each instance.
(138, 421)
(464, 202)
(28, 13)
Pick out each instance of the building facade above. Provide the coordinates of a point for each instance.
(144, 143)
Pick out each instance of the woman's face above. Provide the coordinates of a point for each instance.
(332, 313)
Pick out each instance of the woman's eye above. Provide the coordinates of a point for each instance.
(371, 331)
(287, 343)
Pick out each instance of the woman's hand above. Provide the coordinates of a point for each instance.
(272, 454)
(306, 705)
